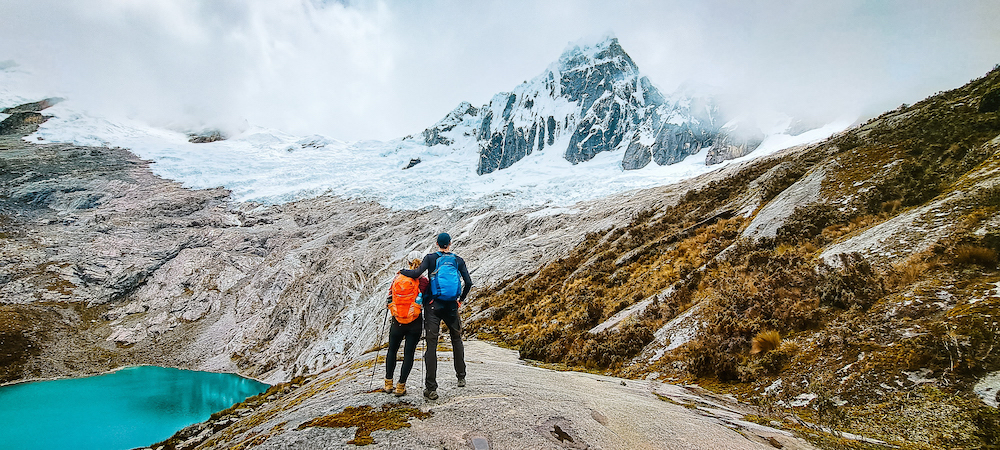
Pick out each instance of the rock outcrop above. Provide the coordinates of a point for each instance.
(33, 106)
(727, 146)
(25, 116)
(206, 136)
(506, 405)
(20, 119)
(433, 135)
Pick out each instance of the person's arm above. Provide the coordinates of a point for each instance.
(425, 286)
(425, 265)
(466, 278)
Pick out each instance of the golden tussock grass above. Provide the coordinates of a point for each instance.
(891, 206)
(765, 341)
(910, 270)
(971, 254)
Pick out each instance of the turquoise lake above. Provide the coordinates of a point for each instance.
(132, 407)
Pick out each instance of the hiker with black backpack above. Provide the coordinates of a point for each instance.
(405, 300)
(450, 284)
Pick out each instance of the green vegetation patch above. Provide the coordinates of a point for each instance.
(390, 416)
(929, 417)
(24, 329)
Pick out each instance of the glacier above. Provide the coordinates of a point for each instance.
(270, 166)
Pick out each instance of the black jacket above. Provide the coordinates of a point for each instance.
(429, 264)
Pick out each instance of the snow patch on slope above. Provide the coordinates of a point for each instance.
(988, 388)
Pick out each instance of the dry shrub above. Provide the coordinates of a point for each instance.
(988, 196)
(972, 254)
(601, 277)
(780, 178)
(910, 271)
(968, 345)
(890, 207)
(828, 412)
(768, 364)
(809, 221)
(608, 349)
(540, 346)
(834, 231)
(764, 342)
(990, 102)
(709, 357)
(758, 289)
(785, 247)
(853, 285)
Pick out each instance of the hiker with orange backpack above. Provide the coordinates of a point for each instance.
(450, 285)
(406, 296)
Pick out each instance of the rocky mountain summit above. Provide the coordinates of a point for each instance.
(592, 100)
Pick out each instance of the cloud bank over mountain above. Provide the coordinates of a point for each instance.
(379, 70)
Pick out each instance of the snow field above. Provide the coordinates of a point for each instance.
(269, 166)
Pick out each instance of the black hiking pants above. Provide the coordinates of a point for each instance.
(397, 333)
(448, 313)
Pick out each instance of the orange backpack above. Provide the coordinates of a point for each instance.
(404, 305)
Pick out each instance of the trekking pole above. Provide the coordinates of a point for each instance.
(378, 348)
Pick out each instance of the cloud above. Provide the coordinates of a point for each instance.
(378, 70)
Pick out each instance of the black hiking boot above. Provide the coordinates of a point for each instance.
(430, 395)
(461, 382)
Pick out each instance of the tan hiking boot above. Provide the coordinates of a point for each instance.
(388, 386)
(400, 389)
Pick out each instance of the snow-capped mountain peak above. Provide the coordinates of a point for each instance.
(592, 99)
(606, 51)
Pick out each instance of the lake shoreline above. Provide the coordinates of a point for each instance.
(111, 371)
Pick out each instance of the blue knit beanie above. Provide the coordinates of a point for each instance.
(444, 240)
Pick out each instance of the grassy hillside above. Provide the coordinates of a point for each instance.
(874, 302)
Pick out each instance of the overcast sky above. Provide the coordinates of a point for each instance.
(380, 70)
